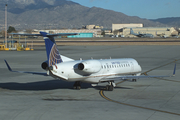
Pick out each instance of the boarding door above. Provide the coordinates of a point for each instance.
(107, 67)
(132, 66)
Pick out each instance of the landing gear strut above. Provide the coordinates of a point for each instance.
(111, 86)
(134, 80)
(77, 85)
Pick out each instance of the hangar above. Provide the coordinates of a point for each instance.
(156, 32)
(120, 26)
(124, 30)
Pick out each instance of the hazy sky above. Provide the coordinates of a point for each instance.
(150, 9)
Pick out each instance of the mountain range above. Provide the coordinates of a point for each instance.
(55, 14)
(171, 21)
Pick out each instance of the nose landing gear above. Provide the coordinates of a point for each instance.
(77, 85)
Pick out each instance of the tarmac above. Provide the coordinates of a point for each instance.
(34, 97)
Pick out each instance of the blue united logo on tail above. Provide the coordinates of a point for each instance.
(53, 54)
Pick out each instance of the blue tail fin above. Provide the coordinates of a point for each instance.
(53, 54)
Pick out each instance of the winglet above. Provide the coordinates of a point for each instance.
(174, 72)
(9, 68)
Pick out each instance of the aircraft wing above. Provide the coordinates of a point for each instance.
(35, 73)
(118, 77)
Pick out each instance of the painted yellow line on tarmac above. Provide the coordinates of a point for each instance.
(101, 92)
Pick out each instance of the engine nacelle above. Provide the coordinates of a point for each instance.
(44, 65)
(90, 66)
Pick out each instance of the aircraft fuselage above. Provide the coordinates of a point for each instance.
(94, 70)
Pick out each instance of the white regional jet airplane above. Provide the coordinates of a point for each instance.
(89, 71)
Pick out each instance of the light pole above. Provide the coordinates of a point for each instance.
(6, 25)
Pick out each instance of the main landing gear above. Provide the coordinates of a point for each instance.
(77, 85)
(111, 86)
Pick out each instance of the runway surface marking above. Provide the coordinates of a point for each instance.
(102, 95)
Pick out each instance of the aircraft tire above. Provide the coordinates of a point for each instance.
(78, 87)
(74, 87)
(109, 88)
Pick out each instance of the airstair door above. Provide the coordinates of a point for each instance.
(132, 66)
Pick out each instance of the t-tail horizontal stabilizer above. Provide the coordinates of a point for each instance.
(48, 35)
(53, 55)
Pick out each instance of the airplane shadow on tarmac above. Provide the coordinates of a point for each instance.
(42, 85)
(48, 85)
